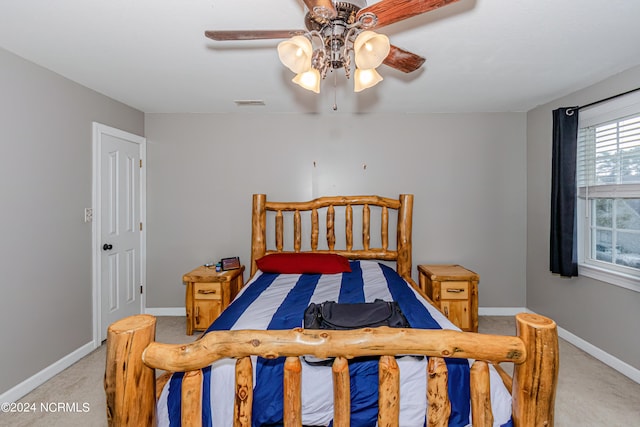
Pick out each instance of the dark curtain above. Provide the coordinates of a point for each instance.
(563, 253)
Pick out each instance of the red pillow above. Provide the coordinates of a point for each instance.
(306, 262)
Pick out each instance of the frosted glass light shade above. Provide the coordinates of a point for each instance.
(296, 53)
(364, 79)
(370, 49)
(309, 80)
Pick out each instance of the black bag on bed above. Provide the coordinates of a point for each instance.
(333, 315)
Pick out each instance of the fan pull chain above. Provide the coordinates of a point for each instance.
(335, 90)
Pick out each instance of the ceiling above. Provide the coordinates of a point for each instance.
(482, 55)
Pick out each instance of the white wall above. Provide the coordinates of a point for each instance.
(606, 316)
(45, 176)
(467, 171)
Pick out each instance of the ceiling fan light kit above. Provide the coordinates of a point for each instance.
(336, 32)
(368, 49)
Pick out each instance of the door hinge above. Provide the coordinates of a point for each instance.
(140, 226)
(141, 289)
(140, 162)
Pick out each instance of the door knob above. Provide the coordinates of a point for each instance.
(107, 247)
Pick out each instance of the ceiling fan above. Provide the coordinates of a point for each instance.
(335, 32)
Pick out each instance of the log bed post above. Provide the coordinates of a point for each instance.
(129, 384)
(258, 225)
(534, 380)
(405, 215)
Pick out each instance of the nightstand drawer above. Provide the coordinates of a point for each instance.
(207, 290)
(454, 290)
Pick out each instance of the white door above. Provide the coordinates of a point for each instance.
(118, 225)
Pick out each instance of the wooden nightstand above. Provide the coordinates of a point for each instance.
(454, 289)
(208, 293)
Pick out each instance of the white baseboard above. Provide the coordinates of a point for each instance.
(606, 358)
(30, 384)
(500, 311)
(166, 311)
(46, 374)
(623, 367)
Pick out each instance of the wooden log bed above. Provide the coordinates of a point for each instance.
(133, 355)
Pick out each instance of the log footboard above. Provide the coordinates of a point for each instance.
(132, 357)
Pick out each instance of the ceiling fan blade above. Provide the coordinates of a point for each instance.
(322, 8)
(403, 60)
(252, 34)
(391, 11)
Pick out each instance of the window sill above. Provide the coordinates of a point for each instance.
(616, 278)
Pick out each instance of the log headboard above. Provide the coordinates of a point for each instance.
(402, 207)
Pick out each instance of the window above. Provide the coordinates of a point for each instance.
(608, 177)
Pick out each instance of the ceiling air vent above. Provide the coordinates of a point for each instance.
(249, 102)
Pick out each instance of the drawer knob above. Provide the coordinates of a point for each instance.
(207, 291)
(455, 290)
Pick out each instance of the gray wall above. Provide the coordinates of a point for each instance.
(481, 183)
(606, 316)
(467, 171)
(45, 176)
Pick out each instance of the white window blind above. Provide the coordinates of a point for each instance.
(609, 158)
(608, 179)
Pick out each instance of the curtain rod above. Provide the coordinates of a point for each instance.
(591, 104)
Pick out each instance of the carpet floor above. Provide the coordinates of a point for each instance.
(589, 392)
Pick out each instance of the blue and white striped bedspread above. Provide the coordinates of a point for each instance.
(278, 301)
